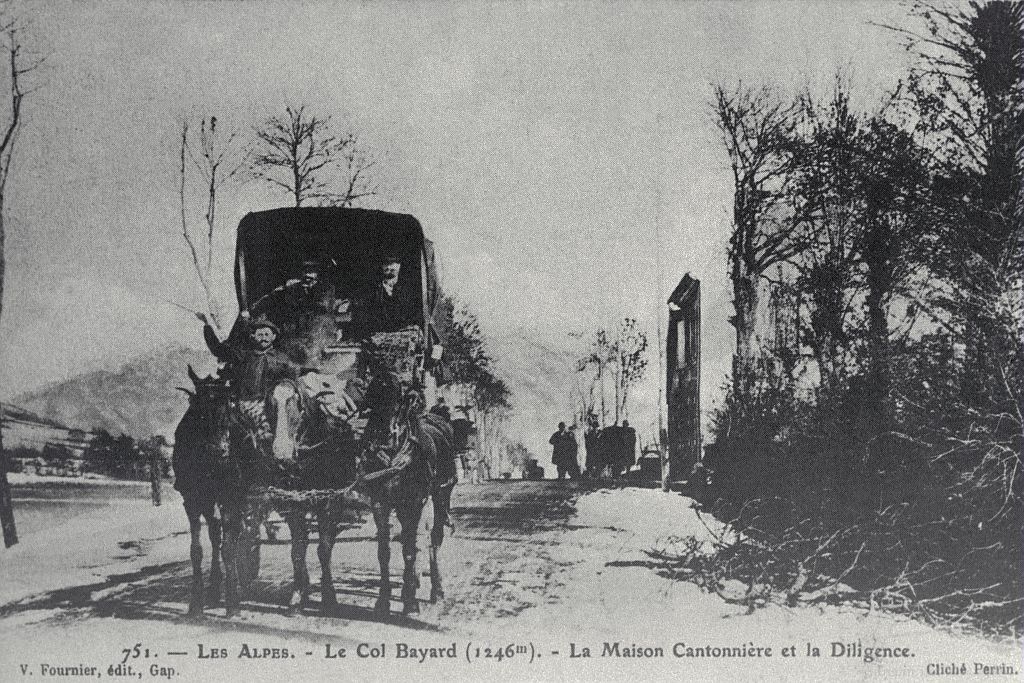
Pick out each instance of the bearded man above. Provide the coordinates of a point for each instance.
(255, 367)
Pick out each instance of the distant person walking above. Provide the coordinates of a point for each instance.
(628, 435)
(563, 454)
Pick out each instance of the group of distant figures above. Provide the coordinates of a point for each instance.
(611, 451)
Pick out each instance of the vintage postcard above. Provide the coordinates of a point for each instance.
(511, 341)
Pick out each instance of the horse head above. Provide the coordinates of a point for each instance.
(208, 415)
(394, 408)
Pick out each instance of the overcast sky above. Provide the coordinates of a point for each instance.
(544, 146)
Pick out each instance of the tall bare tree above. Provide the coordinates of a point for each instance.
(622, 355)
(756, 127)
(301, 154)
(19, 64)
(601, 354)
(211, 158)
(967, 92)
(631, 362)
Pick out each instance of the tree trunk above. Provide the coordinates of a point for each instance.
(6, 504)
(154, 475)
(745, 301)
(618, 384)
(878, 258)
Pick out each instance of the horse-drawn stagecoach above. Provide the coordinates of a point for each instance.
(348, 247)
(353, 299)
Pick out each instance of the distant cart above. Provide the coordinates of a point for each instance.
(650, 463)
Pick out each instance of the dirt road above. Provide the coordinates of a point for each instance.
(537, 576)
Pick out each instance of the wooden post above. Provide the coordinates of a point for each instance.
(683, 377)
(6, 503)
(666, 464)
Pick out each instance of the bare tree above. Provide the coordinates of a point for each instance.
(599, 356)
(756, 127)
(825, 153)
(623, 357)
(216, 158)
(355, 181)
(966, 93)
(631, 362)
(19, 64)
(583, 398)
(300, 154)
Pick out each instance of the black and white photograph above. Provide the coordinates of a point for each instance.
(511, 341)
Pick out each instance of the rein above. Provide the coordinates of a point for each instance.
(396, 452)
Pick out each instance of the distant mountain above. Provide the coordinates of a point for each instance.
(541, 375)
(139, 398)
(541, 372)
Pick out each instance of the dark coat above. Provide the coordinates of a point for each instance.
(377, 311)
(628, 447)
(564, 452)
(253, 373)
(297, 309)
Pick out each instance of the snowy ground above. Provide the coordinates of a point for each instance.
(546, 568)
(27, 479)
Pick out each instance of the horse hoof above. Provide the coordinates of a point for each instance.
(232, 612)
(195, 610)
(296, 603)
(382, 608)
(436, 594)
(411, 607)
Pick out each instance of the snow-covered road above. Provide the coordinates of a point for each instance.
(544, 572)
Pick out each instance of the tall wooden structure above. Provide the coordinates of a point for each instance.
(682, 356)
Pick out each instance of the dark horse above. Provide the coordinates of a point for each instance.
(406, 457)
(208, 479)
(228, 475)
(317, 448)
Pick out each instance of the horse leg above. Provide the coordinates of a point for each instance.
(382, 519)
(195, 603)
(231, 529)
(409, 517)
(328, 530)
(299, 530)
(442, 499)
(214, 531)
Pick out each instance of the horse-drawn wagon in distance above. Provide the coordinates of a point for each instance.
(324, 388)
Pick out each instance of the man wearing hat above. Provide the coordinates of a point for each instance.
(303, 308)
(384, 307)
(301, 300)
(255, 367)
(563, 454)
